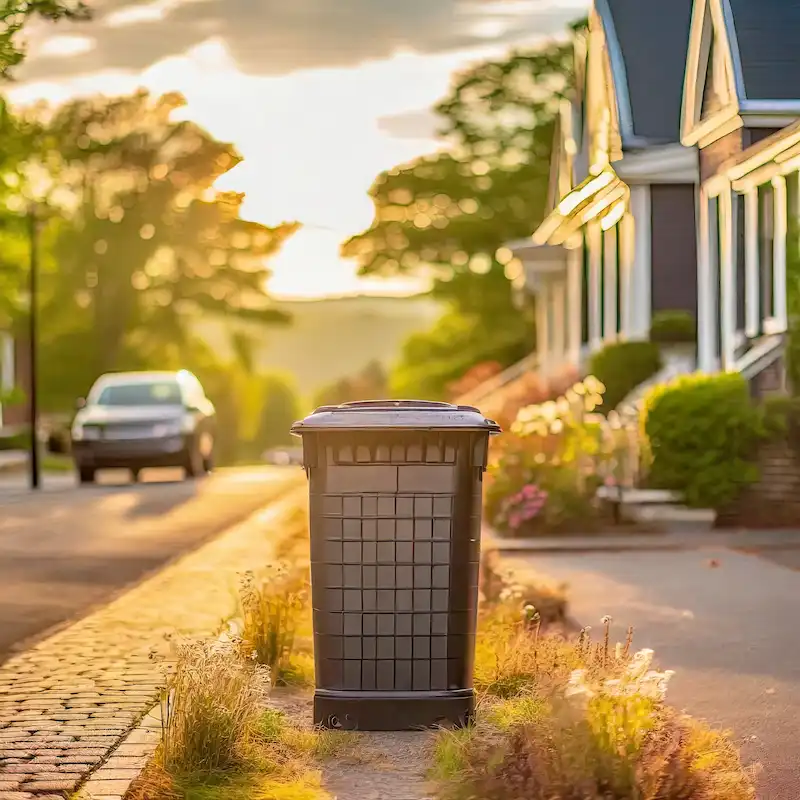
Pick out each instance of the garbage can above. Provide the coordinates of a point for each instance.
(395, 518)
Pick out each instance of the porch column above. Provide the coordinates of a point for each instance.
(727, 271)
(641, 297)
(781, 216)
(542, 326)
(627, 234)
(610, 284)
(752, 292)
(707, 282)
(558, 309)
(574, 304)
(595, 240)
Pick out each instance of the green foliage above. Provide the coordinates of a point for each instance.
(621, 367)
(371, 383)
(703, 431)
(19, 440)
(431, 362)
(280, 408)
(673, 327)
(15, 13)
(449, 213)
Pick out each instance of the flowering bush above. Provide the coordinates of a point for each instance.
(544, 474)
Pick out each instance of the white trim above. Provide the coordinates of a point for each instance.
(718, 130)
(610, 284)
(766, 351)
(671, 163)
(710, 18)
(641, 293)
(574, 303)
(627, 234)
(770, 107)
(706, 282)
(781, 214)
(727, 261)
(595, 243)
(764, 155)
(542, 326)
(752, 290)
(559, 297)
(618, 72)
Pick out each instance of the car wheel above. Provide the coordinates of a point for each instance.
(86, 475)
(193, 467)
(208, 463)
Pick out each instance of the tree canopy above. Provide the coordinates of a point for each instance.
(136, 238)
(15, 13)
(446, 215)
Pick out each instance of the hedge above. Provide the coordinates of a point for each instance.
(673, 327)
(703, 433)
(622, 367)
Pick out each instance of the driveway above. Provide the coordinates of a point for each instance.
(67, 550)
(725, 621)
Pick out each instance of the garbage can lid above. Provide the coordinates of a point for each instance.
(397, 415)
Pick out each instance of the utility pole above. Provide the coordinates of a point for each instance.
(33, 232)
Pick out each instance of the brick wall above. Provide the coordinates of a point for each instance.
(774, 501)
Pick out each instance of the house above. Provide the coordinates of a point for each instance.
(741, 104)
(13, 375)
(618, 243)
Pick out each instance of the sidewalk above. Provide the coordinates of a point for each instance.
(740, 539)
(66, 704)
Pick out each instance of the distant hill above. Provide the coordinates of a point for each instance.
(332, 338)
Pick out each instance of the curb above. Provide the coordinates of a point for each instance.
(113, 779)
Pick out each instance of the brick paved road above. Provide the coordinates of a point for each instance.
(67, 702)
(66, 551)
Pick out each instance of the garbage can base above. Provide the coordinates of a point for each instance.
(365, 711)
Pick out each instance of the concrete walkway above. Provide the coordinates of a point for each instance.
(725, 621)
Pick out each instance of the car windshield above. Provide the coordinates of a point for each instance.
(157, 393)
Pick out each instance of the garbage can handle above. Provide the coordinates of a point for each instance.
(395, 404)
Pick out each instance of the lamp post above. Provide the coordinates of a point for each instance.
(33, 278)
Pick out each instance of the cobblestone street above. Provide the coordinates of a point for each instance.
(66, 703)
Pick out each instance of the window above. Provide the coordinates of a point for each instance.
(766, 248)
(156, 393)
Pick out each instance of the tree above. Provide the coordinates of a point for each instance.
(448, 214)
(280, 408)
(143, 244)
(15, 13)
(372, 383)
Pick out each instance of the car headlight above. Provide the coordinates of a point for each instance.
(188, 423)
(167, 429)
(84, 433)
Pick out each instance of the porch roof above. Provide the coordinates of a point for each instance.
(594, 198)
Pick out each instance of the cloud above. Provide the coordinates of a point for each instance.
(420, 124)
(275, 37)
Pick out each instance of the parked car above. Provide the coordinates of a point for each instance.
(135, 420)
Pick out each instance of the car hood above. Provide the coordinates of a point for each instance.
(103, 415)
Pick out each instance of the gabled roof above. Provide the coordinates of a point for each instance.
(759, 40)
(767, 34)
(647, 42)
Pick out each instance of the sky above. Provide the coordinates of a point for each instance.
(319, 96)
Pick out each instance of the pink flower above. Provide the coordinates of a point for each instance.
(514, 521)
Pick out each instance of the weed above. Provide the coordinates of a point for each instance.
(211, 707)
(272, 607)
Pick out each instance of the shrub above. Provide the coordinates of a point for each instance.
(702, 433)
(673, 327)
(621, 367)
(19, 440)
(272, 607)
